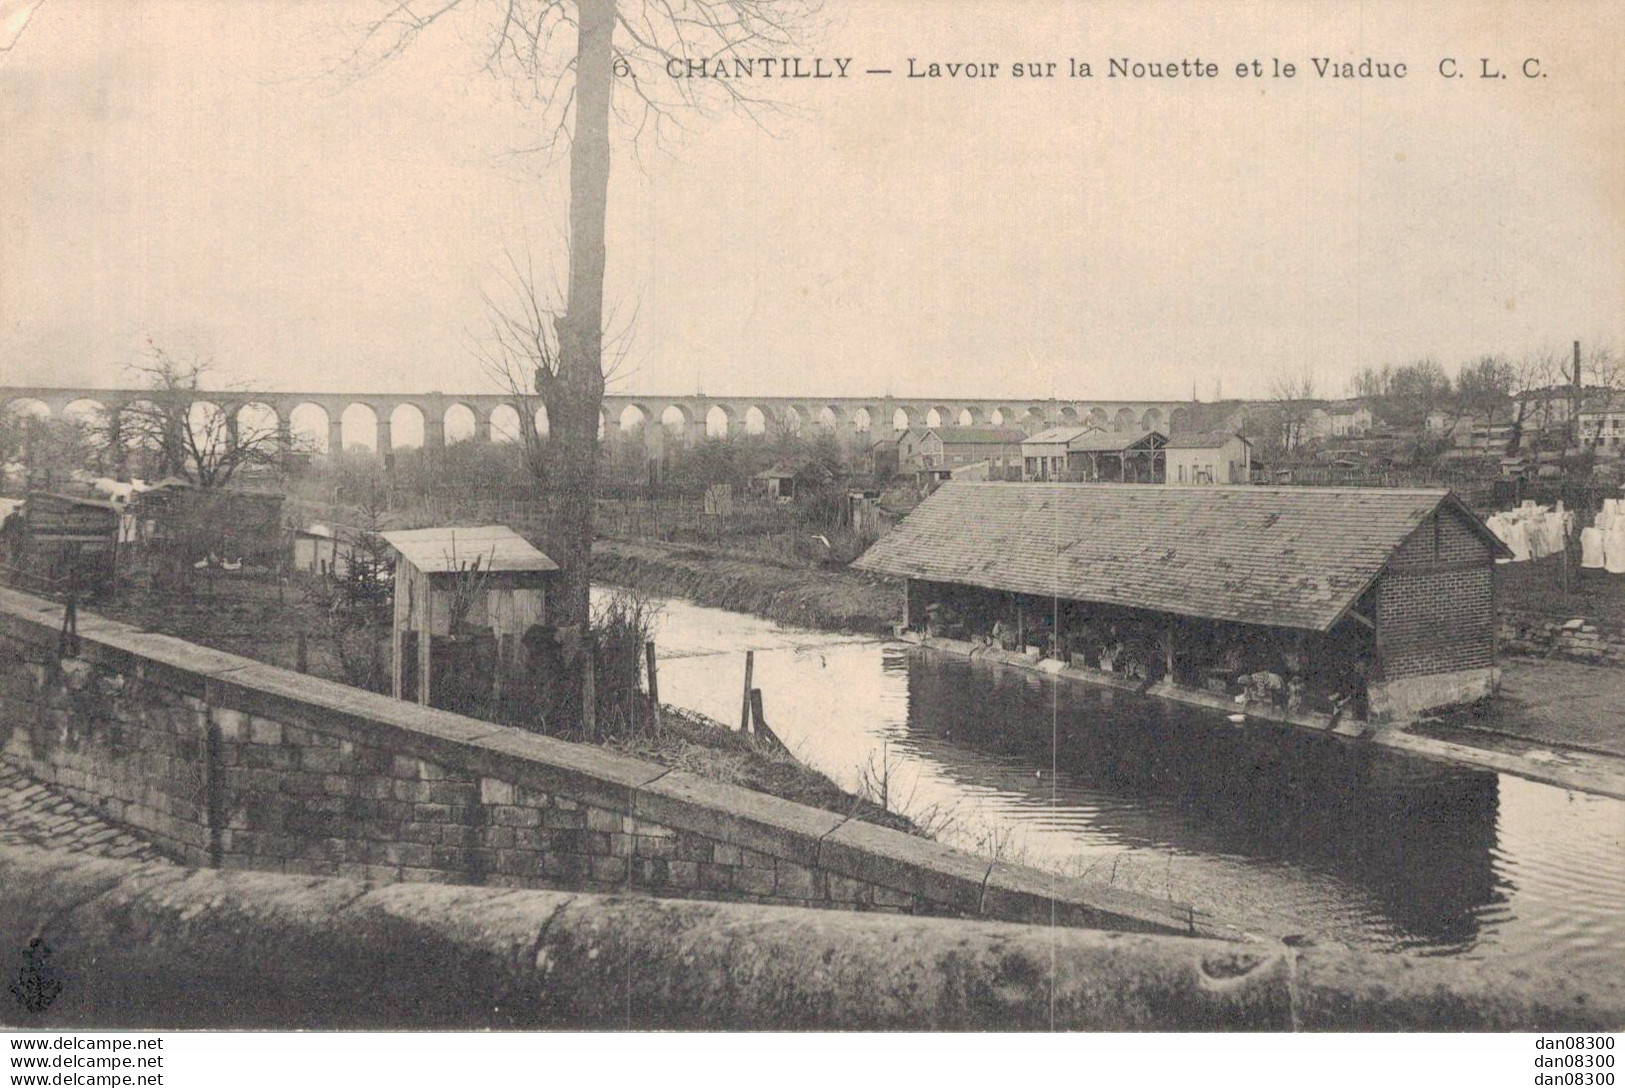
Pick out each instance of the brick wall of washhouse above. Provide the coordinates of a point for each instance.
(225, 762)
(1435, 602)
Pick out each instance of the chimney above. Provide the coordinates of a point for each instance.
(1577, 383)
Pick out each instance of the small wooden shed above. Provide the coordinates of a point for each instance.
(69, 544)
(463, 582)
(322, 549)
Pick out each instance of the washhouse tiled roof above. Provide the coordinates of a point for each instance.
(1293, 557)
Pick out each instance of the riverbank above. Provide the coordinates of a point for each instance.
(834, 599)
(1553, 702)
(1512, 733)
(257, 618)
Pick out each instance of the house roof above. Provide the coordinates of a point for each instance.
(1201, 440)
(1292, 557)
(979, 435)
(792, 470)
(1057, 435)
(1091, 439)
(1212, 416)
(452, 548)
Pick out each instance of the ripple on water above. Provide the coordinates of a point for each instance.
(1279, 832)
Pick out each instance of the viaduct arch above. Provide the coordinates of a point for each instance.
(686, 418)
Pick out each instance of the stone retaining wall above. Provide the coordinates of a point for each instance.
(1580, 639)
(227, 762)
(160, 947)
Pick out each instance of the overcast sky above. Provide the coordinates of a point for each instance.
(181, 171)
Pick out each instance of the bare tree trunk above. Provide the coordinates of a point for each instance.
(575, 400)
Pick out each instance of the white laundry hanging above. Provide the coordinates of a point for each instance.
(1591, 548)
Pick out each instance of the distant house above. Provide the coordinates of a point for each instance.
(908, 449)
(1349, 417)
(322, 549)
(787, 479)
(1217, 457)
(1602, 424)
(939, 449)
(1084, 453)
(1541, 411)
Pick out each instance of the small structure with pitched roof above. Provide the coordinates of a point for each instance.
(941, 450)
(1378, 596)
(1086, 453)
(787, 479)
(485, 586)
(1208, 457)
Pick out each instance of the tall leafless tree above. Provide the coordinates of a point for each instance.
(194, 433)
(582, 62)
(1292, 396)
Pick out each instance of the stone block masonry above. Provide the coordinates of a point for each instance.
(224, 762)
(1593, 641)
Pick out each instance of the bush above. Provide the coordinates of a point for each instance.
(620, 626)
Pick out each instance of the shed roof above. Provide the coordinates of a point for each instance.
(451, 548)
(1287, 557)
(1057, 435)
(1092, 439)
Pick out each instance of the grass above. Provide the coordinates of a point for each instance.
(1537, 586)
(691, 742)
(830, 598)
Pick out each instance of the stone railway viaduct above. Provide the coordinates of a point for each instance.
(494, 416)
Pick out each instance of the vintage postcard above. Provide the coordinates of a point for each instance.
(738, 515)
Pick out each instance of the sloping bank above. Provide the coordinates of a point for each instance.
(833, 599)
(161, 946)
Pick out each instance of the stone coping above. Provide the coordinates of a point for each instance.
(163, 947)
(841, 845)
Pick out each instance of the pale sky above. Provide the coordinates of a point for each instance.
(179, 170)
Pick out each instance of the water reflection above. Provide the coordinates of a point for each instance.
(1274, 829)
(1417, 837)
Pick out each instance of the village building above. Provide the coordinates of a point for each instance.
(1217, 457)
(323, 549)
(1472, 433)
(1548, 412)
(908, 449)
(1602, 425)
(65, 544)
(1367, 602)
(787, 479)
(466, 598)
(1086, 453)
(935, 451)
(1349, 418)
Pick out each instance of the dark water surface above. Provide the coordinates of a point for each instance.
(1273, 830)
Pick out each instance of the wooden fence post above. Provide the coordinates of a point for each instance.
(589, 696)
(744, 713)
(762, 728)
(654, 677)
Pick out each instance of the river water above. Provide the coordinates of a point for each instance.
(1269, 829)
